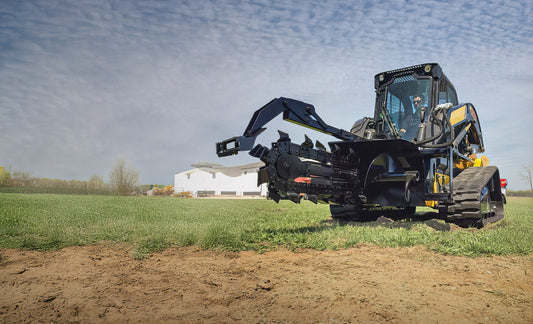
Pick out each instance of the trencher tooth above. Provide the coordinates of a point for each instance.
(308, 142)
(283, 136)
(294, 197)
(320, 146)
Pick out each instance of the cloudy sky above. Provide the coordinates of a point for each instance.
(159, 82)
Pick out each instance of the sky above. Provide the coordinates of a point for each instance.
(83, 83)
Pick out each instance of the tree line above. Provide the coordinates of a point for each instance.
(123, 180)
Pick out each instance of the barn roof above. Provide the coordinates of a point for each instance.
(233, 171)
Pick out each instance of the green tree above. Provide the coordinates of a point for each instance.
(124, 178)
(5, 176)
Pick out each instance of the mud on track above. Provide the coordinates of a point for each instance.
(104, 283)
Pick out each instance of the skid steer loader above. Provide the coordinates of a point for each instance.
(421, 148)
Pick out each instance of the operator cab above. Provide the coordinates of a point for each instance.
(406, 97)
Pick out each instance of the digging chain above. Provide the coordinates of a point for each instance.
(322, 176)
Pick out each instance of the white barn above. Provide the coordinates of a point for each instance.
(208, 179)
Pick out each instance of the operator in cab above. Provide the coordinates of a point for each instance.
(410, 125)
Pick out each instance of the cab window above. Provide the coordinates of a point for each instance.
(447, 93)
(400, 99)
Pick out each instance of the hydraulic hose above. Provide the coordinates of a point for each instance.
(434, 112)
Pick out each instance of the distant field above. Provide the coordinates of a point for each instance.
(48, 221)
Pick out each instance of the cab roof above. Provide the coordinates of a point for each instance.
(427, 69)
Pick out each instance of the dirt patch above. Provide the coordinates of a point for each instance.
(364, 284)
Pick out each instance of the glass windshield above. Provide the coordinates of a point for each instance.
(447, 93)
(405, 98)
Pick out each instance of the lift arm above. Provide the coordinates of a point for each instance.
(294, 111)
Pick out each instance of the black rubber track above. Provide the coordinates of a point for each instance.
(467, 187)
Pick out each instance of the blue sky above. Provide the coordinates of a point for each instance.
(83, 82)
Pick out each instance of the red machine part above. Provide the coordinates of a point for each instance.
(303, 180)
(503, 183)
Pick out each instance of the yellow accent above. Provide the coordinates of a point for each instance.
(431, 203)
(458, 115)
(478, 162)
(313, 128)
(482, 161)
(440, 179)
(464, 164)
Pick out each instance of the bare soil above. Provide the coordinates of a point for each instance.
(103, 283)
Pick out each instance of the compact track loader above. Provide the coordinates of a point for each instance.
(420, 149)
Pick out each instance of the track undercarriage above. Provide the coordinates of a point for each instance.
(297, 172)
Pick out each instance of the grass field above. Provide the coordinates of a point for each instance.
(47, 221)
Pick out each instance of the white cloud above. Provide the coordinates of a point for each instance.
(160, 82)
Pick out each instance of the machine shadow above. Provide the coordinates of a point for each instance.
(429, 219)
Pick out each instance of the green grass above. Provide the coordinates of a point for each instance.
(48, 221)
